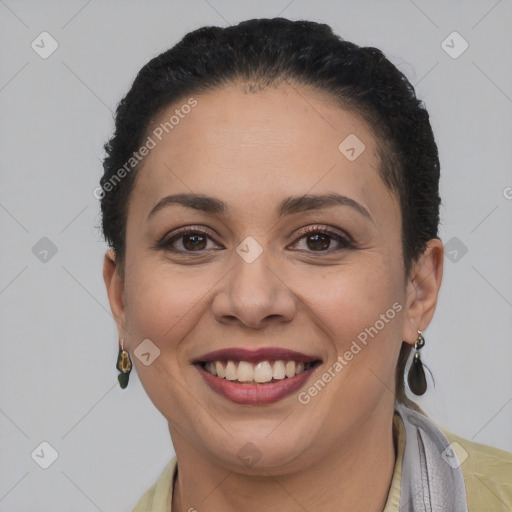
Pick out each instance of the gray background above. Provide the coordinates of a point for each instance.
(59, 342)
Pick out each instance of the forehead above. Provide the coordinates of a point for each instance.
(259, 146)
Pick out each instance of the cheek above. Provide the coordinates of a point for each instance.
(362, 313)
(364, 305)
(165, 303)
(160, 305)
(163, 306)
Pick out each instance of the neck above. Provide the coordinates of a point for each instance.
(355, 475)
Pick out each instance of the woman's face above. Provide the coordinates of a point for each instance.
(250, 281)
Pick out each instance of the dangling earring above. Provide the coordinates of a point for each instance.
(416, 377)
(124, 365)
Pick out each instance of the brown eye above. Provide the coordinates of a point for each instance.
(318, 241)
(195, 242)
(187, 241)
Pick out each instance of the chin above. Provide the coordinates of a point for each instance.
(255, 451)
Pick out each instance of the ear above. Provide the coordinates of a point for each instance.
(115, 289)
(423, 286)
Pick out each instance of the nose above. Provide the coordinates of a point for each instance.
(254, 295)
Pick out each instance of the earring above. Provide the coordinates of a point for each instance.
(416, 376)
(124, 365)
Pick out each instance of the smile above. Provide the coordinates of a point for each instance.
(262, 372)
(256, 377)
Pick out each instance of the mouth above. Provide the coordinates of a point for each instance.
(256, 377)
(264, 372)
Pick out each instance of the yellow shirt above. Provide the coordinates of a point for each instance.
(487, 475)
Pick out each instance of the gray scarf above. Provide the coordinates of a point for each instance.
(429, 483)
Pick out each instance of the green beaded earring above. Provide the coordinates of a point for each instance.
(124, 365)
(416, 376)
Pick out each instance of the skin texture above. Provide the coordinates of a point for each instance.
(252, 150)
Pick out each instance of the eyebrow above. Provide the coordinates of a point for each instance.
(288, 206)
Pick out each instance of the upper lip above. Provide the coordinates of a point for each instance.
(254, 356)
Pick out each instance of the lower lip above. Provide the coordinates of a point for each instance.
(255, 394)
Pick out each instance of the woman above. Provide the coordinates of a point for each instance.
(270, 198)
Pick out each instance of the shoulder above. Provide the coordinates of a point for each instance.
(158, 497)
(487, 474)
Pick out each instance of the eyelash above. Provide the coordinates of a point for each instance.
(166, 244)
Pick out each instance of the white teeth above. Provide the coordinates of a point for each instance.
(245, 371)
(262, 372)
(290, 369)
(278, 372)
(211, 368)
(221, 372)
(231, 371)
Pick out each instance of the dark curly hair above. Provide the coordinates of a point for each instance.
(264, 53)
